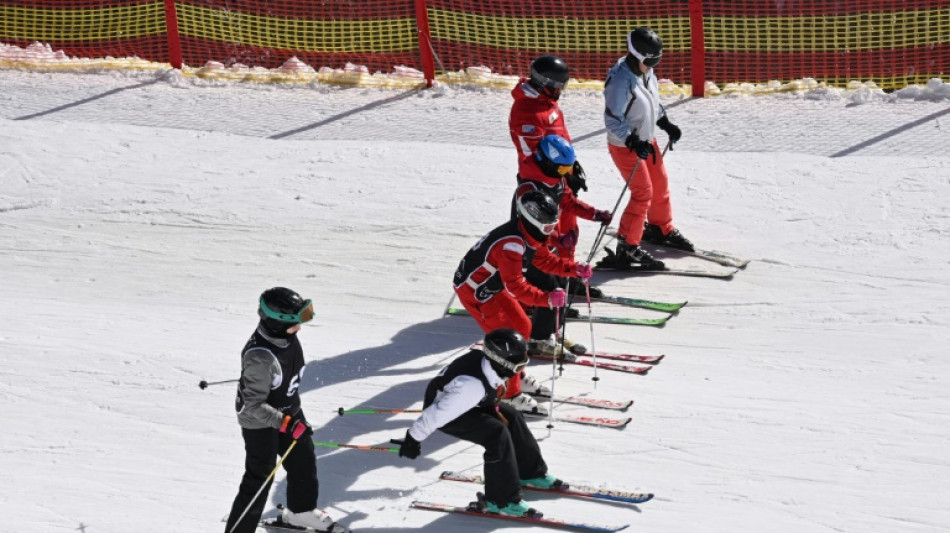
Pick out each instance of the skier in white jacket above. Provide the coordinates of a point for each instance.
(632, 113)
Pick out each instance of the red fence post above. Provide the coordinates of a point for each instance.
(425, 42)
(174, 40)
(697, 44)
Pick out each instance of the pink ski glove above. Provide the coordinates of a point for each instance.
(557, 298)
(295, 426)
(584, 271)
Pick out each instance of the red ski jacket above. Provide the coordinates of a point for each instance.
(533, 115)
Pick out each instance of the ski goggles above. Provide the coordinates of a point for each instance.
(547, 229)
(305, 314)
(564, 170)
(547, 82)
(515, 368)
(650, 60)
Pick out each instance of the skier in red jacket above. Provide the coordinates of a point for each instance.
(490, 281)
(534, 114)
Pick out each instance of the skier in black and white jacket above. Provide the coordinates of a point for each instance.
(271, 418)
(463, 401)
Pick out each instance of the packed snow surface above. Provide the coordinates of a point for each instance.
(143, 214)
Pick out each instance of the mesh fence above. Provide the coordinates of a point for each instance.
(890, 42)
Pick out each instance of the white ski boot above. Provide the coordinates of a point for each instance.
(315, 520)
(526, 404)
(533, 385)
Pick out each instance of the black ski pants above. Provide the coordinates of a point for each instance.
(262, 448)
(543, 318)
(511, 452)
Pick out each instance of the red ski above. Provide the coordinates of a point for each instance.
(641, 370)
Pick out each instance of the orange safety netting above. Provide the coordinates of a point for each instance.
(890, 42)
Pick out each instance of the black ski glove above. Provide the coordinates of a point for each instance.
(671, 129)
(642, 148)
(577, 179)
(410, 447)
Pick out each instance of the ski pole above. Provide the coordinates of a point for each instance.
(205, 384)
(342, 411)
(356, 447)
(590, 317)
(557, 319)
(603, 227)
(266, 481)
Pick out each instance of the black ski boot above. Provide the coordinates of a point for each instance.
(674, 239)
(637, 258)
(576, 286)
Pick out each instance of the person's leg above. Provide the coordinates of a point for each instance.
(502, 485)
(641, 193)
(527, 452)
(260, 448)
(543, 319)
(301, 466)
(660, 212)
(500, 311)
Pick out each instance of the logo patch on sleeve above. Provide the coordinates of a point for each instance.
(527, 128)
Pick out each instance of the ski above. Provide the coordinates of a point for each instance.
(279, 524)
(629, 357)
(598, 421)
(641, 370)
(669, 307)
(610, 263)
(722, 258)
(475, 509)
(597, 403)
(567, 489)
(460, 311)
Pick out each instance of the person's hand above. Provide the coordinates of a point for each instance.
(584, 271)
(557, 298)
(568, 240)
(671, 129)
(643, 149)
(604, 217)
(577, 179)
(410, 447)
(295, 425)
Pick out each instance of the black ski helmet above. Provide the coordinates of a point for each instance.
(506, 350)
(280, 308)
(645, 46)
(539, 212)
(549, 75)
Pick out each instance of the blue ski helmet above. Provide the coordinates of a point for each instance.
(555, 156)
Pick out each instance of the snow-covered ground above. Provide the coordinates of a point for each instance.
(142, 214)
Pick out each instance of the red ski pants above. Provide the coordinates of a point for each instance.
(649, 192)
(500, 311)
